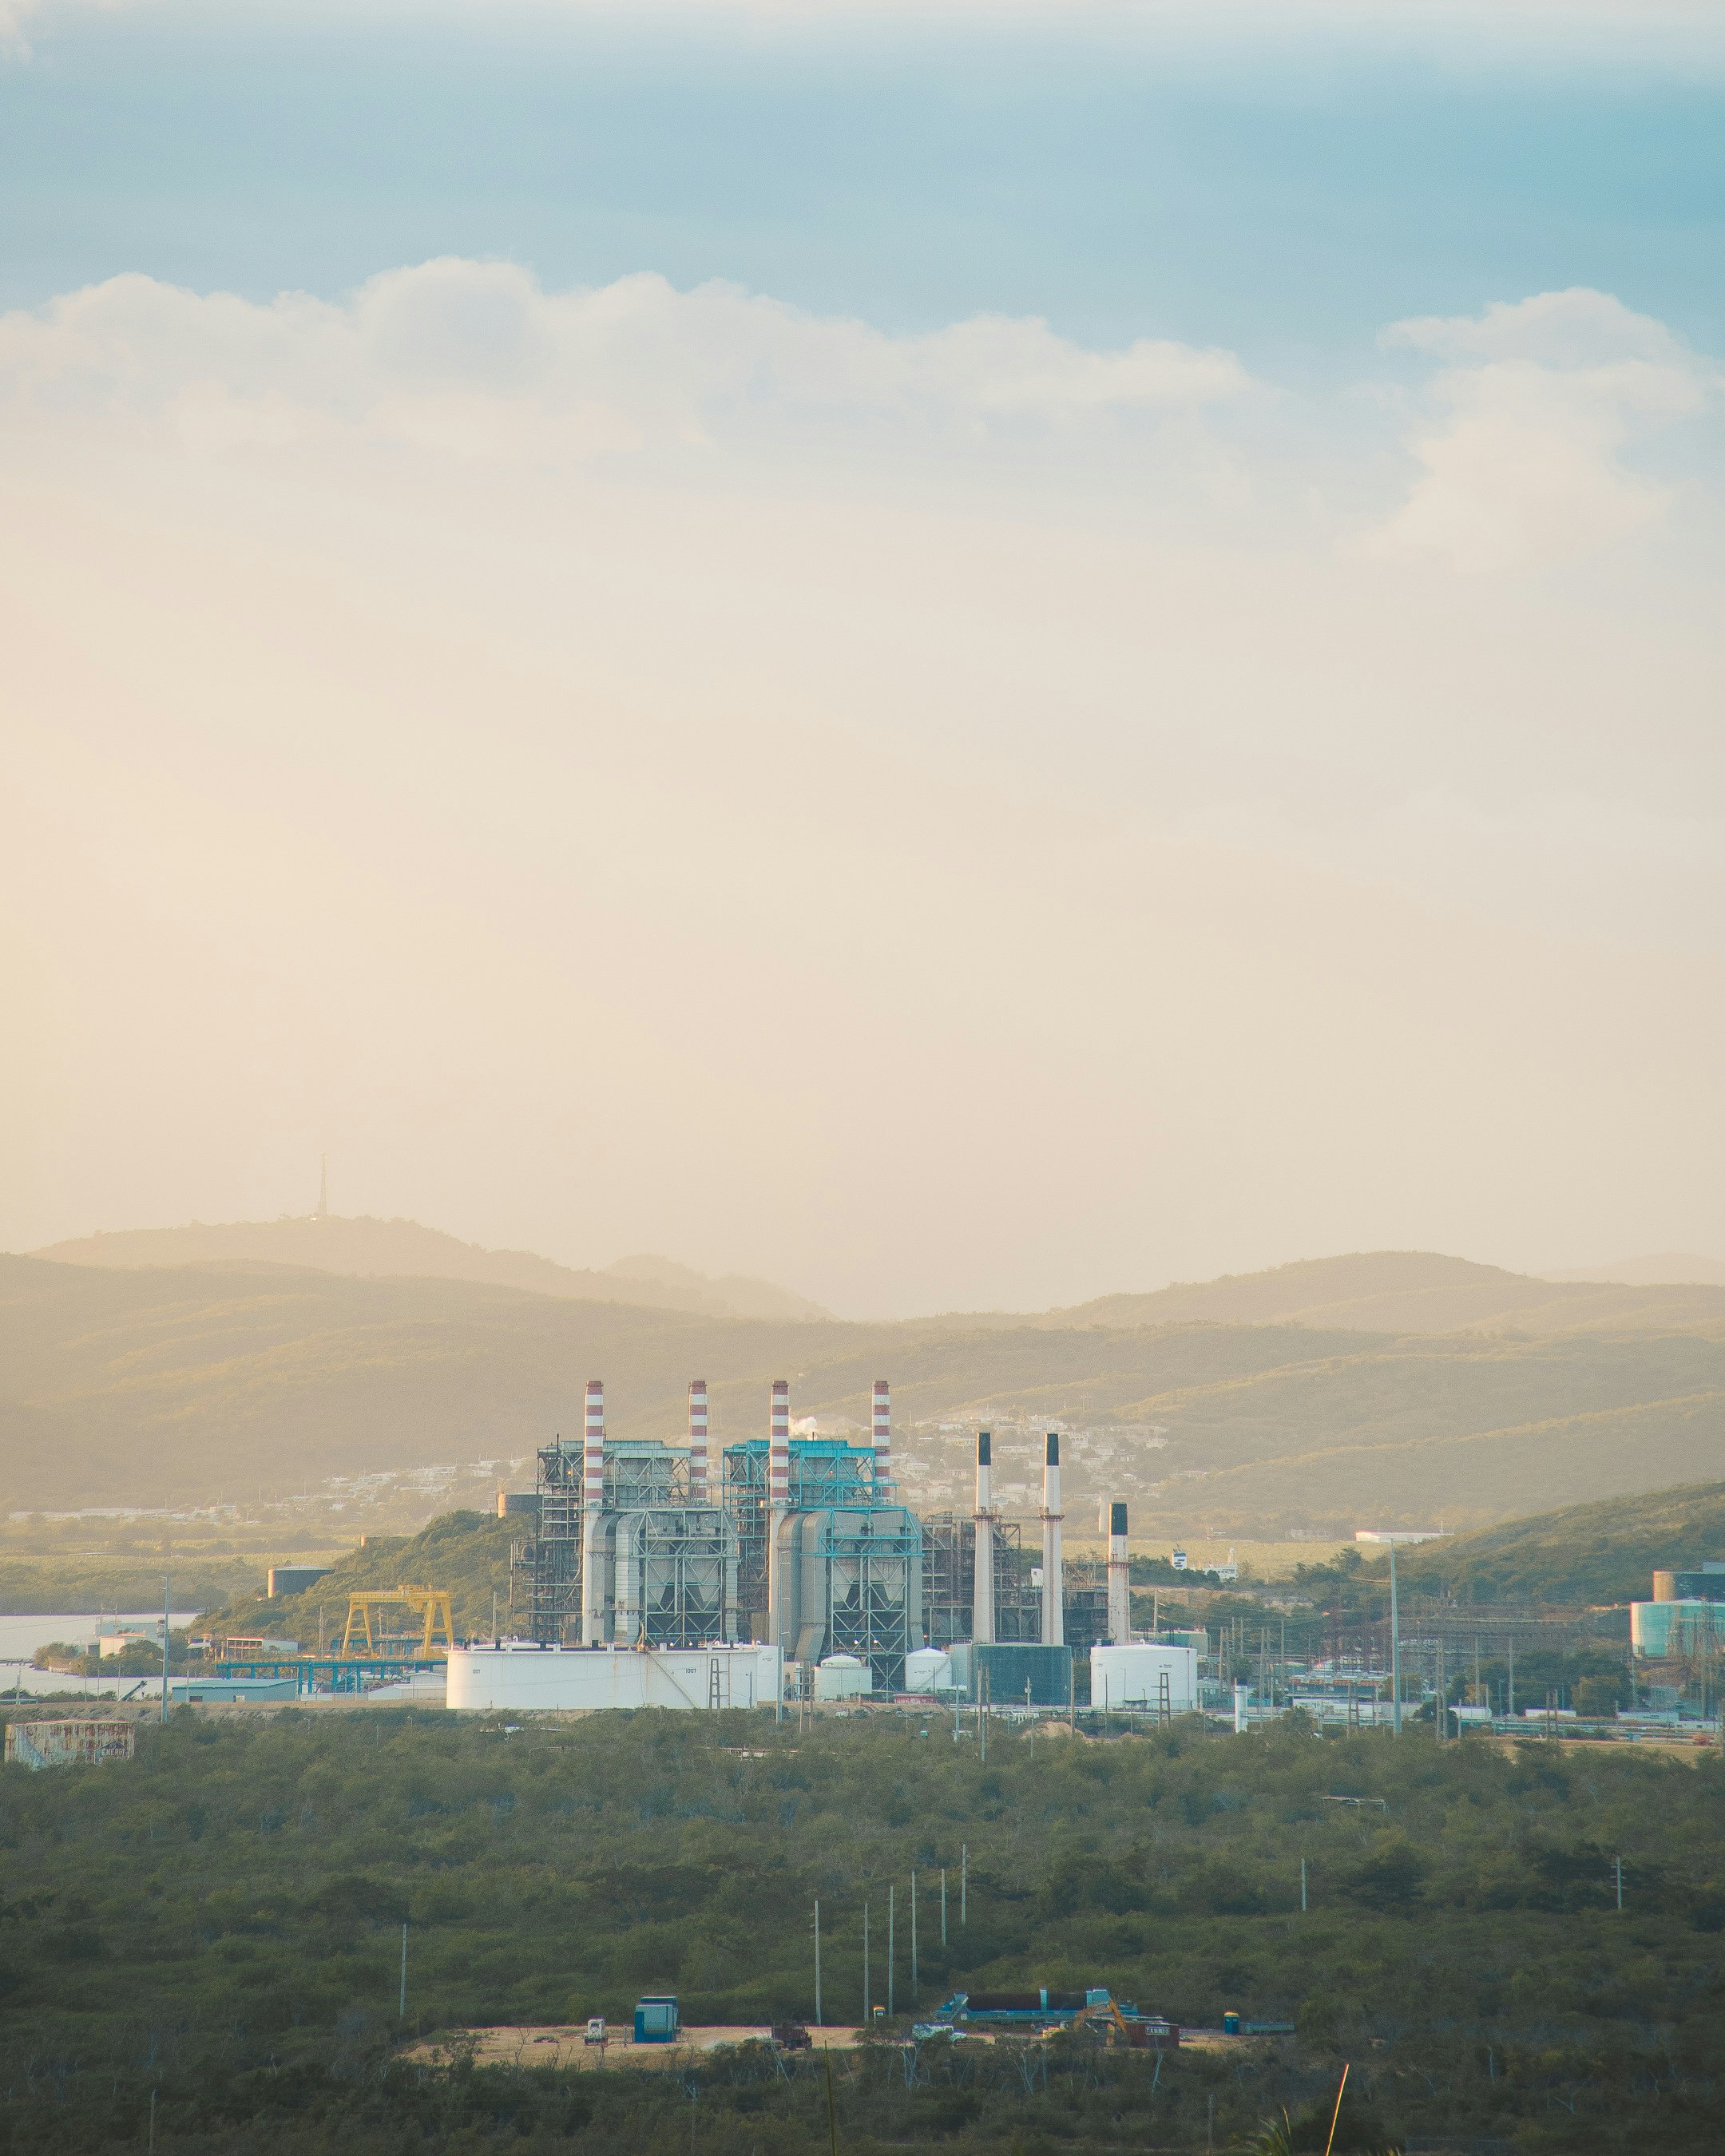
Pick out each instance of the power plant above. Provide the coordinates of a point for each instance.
(782, 1551)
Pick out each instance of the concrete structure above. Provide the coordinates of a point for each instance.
(1145, 1676)
(982, 1616)
(518, 1675)
(1054, 1577)
(1120, 1592)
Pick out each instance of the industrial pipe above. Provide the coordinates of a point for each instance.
(982, 1623)
(1120, 1593)
(1054, 1585)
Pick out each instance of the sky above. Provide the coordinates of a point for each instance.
(962, 657)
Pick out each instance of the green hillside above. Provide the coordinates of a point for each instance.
(181, 1385)
(1602, 1552)
(463, 1552)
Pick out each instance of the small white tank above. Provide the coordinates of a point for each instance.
(843, 1677)
(928, 1669)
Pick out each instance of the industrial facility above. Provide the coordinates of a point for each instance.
(670, 1573)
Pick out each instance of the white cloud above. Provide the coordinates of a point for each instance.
(1530, 454)
(477, 357)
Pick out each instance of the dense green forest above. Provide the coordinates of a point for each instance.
(219, 1921)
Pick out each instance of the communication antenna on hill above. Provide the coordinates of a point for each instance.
(323, 1187)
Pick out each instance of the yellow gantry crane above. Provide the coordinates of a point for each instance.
(426, 1610)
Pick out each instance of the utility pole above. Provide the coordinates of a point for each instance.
(915, 1980)
(963, 1885)
(1302, 1886)
(167, 1596)
(866, 1986)
(818, 2016)
(404, 1972)
(1617, 1864)
(892, 1894)
(1512, 1677)
(1395, 1650)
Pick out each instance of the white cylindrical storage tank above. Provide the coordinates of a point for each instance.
(516, 1678)
(843, 1677)
(1130, 1678)
(928, 1669)
(1242, 1709)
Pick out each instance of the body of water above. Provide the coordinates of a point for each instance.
(21, 1636)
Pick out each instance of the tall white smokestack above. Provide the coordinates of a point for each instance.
(593, 1505)
(883, 1440)
(698, 1457)
(982, 1619)
(779, 1501)
(1054, 1583)
(1120, 1590)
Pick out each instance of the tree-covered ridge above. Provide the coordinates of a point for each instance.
(467, 1552)
(1589, 1554)
(234, 1895)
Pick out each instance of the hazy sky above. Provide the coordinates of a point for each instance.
(961, 657)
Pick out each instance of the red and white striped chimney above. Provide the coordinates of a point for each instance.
(778, 1447)
(593, 1505)
(697, 1441)
(779, 1501)
(883, 1440)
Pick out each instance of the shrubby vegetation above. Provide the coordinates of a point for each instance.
(219, 1920)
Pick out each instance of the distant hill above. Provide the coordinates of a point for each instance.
(1679, 1267)
(1585, 1554)
(373, 1250)
(1408, 1291)
(168, 1385)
